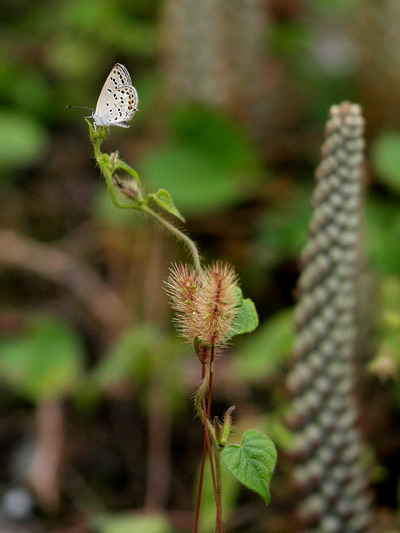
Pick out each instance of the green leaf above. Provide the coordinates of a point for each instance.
(129, 357)
(197, 183)
(214, 134)
(253, 462)
(263, 353)
(385, 156)
(247, 318)
(44, 362)
(129, 523)
(164, 200)
(22, 139)
(383, 244)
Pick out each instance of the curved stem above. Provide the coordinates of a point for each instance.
(178, 234)
(107, 168)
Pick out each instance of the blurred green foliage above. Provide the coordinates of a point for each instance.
(383, 235)
(385, 157)
(208, 162)
(23, 140)
(44, 362)
(231, 490)
(268, 348)
(282, 231)
(389, 320)
(59, 53)
(129, 523)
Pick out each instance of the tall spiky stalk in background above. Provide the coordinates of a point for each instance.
(328, 444)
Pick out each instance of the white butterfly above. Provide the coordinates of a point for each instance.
(118, 100)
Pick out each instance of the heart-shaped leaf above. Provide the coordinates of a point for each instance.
(253, 462)
(247, 318)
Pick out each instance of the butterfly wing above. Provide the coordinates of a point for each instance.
(118, 100)
(118, 77)
(117, 107)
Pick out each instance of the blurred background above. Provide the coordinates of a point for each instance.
(97, 432)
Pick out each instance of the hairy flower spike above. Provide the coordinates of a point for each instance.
(217, 304)
(182, 287)
(206, 304)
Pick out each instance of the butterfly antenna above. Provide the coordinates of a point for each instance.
(80, 107)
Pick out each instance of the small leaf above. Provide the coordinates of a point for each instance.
(247, 318)
(164, 200)
(253, 462)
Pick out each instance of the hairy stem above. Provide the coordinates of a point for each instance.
(202, 466)
(177, 233)
(203, 407)
(212, 468)
(109, 166)
(217, 450)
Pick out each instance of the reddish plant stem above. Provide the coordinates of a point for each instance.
(207, 450)
(210, 382)
(211, 460)
(217, 485)
(203, 462)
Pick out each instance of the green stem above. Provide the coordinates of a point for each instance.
(107, 168)
(177, 233)
(218, 478)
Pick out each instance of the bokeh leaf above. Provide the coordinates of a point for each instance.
(383, 244)
(230, 493)
(385, 155)
(22, 139)
(44, 362)
(131, 523)
(209, 164)
(138, 354)
(127, 358)
(263, 352)
(283, 230)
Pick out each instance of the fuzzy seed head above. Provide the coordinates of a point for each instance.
(182, 288)
(217, 303)
(206, 304)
